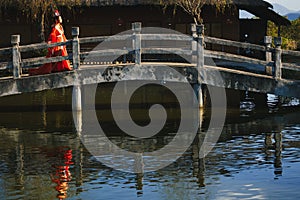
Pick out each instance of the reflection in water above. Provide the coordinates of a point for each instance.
(255, 158)
(62, 174)
(139, 184)
(278, 150)
(277, 146)
(20, 166)
(198, 162)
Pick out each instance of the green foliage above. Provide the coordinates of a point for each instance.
(290, 35)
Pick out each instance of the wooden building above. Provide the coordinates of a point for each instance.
(104, 17)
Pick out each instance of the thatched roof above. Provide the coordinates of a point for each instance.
(258, 8)
(254, 3)
(151, 2)
(263, 10)
(121, 2)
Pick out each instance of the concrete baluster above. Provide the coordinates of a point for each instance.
(268, 43)
(137, 27)
(16, 56)
(278, 61)
(76, 48)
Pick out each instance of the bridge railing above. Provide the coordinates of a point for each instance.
(194, 47)
(273, 56)
(7, 54)
(17, 64)
(134, 46)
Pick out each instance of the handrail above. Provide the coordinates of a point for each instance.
(244, 45)
(191, 45)
(28, 63)
(176, 51)
(235, 58)
(85, 40)
(291, 66)
(153, 36)
(104, 38)
(38, 46)
(167, 37)
(6, 51)
(291, 53)
(106, 52)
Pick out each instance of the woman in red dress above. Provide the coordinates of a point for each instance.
(56, 35)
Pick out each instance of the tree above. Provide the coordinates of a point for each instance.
(194, 7)
(38, 10)
(290, 34)
(293, 32)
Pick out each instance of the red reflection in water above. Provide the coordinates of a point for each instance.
(62, 175)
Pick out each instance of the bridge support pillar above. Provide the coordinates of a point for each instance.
(199, 94)
(76, 98)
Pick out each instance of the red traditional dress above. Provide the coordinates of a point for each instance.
(56, 35)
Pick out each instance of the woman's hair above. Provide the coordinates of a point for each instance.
(56, 18)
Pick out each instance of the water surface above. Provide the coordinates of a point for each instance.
(41, 157)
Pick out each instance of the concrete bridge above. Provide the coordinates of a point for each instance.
(142, 55)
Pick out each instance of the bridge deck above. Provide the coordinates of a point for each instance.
(93, 74)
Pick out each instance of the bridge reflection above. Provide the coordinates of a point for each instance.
(27, 156)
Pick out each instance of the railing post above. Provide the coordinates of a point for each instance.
(194, 44)
(278, 53)
(76, 48)
(198, 45)
(16, 56)
(268, 43)
(137, 27)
